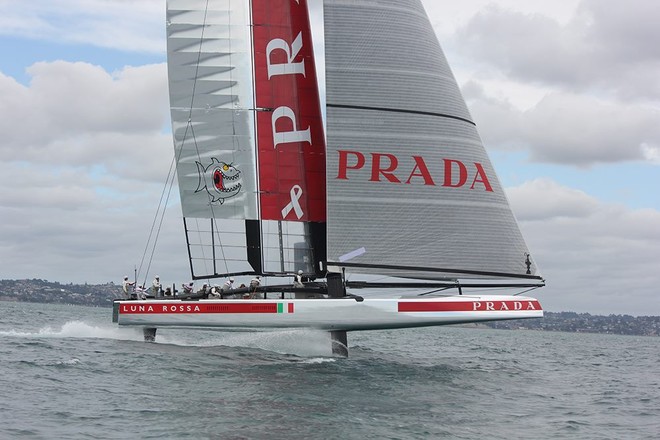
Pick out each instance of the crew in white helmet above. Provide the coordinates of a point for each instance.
(254, 285)
(228, 285)
(297, 280)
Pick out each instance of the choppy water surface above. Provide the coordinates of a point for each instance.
(68, 372)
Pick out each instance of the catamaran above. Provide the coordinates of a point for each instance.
(393, 213)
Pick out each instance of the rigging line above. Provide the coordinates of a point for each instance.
(201, 245)
(199, 232)
(431, 292)
(525, 291)
(171, 175)
(192, 130)
(190, 126)
(222, 248)
(169, 182)
(199, 157)
(488, 289)
(162, 217)
(153, 224)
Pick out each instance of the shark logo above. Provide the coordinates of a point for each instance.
(220, 180)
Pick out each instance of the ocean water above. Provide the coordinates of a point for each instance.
(67, 372)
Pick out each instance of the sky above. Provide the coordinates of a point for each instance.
(565, 95)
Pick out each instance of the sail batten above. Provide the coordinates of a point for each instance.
(396, 110)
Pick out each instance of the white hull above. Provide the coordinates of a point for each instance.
(325, 314)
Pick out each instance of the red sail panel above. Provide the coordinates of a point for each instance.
(290, 141)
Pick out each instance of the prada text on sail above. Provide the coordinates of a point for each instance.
(387, 167)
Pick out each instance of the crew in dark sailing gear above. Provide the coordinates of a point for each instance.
(204, 290)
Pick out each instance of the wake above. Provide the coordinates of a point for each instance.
(299, 342)
(79, 329)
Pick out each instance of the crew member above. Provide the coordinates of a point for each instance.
(229, 285)
(255, 283)
(215, 292)
(141, 292)
(298, 280)
(127, 287)
(156, 286)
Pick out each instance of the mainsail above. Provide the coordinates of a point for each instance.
(411, 190)
(248, 135)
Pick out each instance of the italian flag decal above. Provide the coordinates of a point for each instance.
(282, 309)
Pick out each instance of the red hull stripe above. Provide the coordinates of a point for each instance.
(468, 306)
(170, 308)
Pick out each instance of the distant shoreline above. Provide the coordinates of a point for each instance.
(101, 295)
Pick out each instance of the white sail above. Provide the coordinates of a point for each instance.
(211, 99)
(248, 135)
(411, 190)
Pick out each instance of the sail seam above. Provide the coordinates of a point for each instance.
(399, 110)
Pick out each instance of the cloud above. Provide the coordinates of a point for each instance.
(544, 199)
(582, 130)
(605, 46)
(84, 160)
(567, 128)
(77, 114)
(69, 225)
(133, 26)
(597, 257)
